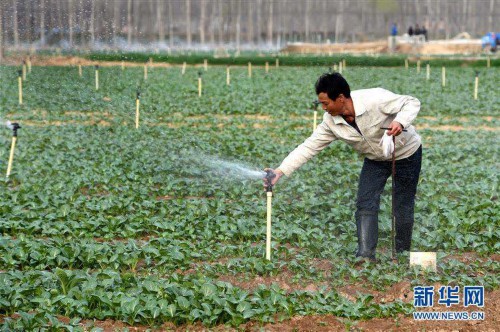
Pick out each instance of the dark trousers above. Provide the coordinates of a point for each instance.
(374, 175)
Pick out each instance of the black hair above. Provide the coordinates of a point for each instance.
(333, 84)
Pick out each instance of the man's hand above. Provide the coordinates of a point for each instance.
(278, 173)
(396, 129)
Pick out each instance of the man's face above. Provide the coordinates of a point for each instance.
(332, 107)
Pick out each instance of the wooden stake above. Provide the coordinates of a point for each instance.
(428, 74)
(250, 69)
(476, 87)
(267, 67)
(443, 76)
(315, 120)
(268, 225)
(199, 86)
(228, 76)
(80, 70)
(11, 156)
(183, 67)
(145, 72)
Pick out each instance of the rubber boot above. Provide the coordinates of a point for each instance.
(367, 227)
(404, 230)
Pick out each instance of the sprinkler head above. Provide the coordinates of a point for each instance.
(315, 104)
(270, 175)
(199, 74)
(14, 126)
(96, 67)
(138, 96)
(20, 73)
(477, 72)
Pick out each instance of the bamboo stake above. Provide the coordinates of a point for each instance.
(250, 69)
(96, 77)
(443, 76)
(137, 103)
(145, 72)
(123, 65)
(205, 64)
(340, 67)
(406, 64)
(228, 76)
(428, 74)
(11, 156)
(80, 70)
(277, 63)
(24, 70)
(315, 120)
(268, 225)
(183, 67)
(267, 67)
(20, 84)
(418, 66)
(476, 86)
(199, 86)
(29, 64)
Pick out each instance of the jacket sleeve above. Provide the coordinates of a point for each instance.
(319, 140)
(406, 108)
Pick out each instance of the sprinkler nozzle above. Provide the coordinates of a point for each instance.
(96, 67)
(138, 96)
(315, 104)
(199, 74)
(270, 175)
(20, 73)
(14, 126)
(477, 73)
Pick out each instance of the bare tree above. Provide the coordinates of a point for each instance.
(129, 22)
(188, 22)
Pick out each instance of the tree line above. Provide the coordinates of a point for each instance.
(231, 23)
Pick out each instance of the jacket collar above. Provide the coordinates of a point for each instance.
(359, 109)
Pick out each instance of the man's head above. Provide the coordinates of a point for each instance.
(333, 94)
(333, 84)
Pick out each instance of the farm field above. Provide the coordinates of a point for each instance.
(104, 226)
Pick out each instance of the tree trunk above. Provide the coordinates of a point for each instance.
(14, 25)
(259, 21)
(1, 32)
(92, 27)
(129, 23)
(42, 23)
(270, 24)
(170, 25)
(188, 22)
(202, 21)
(238, 24)
(159, 22)
(70, 21)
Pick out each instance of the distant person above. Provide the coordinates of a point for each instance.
(394, 30)
(417, 30)
(424, 32)
(410, 31)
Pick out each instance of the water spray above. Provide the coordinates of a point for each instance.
(96, 77)
(20, 84)
(14, 126)
(137, 102)
(270, 175)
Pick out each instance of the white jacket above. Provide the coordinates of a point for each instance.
(373, 108)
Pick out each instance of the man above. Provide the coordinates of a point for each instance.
(356, 118)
